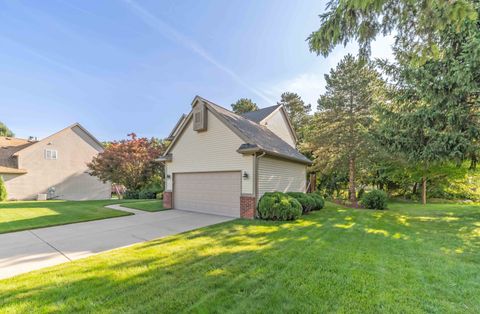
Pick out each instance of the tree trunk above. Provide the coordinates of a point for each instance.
(424, 190)
(351, 182)
(414, 190)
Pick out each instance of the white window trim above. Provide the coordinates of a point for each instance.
(51, 154)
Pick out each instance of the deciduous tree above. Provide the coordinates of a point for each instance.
(131, 162)
(5, 131)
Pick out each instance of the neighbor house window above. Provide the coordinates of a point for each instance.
(51, 154)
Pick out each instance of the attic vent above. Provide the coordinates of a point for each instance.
(200, 118)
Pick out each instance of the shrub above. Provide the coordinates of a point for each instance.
(376, 199)
(146, 194)
(279, 206)
(319, 201)
(131, 195)
(3, 190)
(159, 196)
(307, 202)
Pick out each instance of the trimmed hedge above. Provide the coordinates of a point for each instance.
(278, 206)
(308, 203)
(376, 199)
(319, 200)
(143, 194)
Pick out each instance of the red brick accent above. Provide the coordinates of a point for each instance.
(247, 206)
(167, 200)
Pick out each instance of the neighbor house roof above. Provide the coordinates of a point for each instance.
(260, 114)
(8, 147)
(9, 170)
(258, 138)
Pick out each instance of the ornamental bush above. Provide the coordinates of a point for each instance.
(3, 190)
(319, 201)
(278, 206)
(376, 199)
(307, 202)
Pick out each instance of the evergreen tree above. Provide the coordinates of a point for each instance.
(417, 22)
(5, 131)
(340, 133)
(297, 111)
(244, 105)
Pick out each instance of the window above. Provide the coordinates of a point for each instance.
(51, 154)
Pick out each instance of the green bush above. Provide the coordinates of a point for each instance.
(3, 191)
(376, 199)
(147, 195)
(278, 206)
(159, 196)
(142, 194)
(307, 202)
(131, 195)
(319, 201)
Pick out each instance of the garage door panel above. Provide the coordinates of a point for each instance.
(208, 192)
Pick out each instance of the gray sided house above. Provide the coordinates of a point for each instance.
(56, 164)
(222, 163)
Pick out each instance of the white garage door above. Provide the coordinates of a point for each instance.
(208, 192)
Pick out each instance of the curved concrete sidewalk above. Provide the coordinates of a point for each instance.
(24, 251)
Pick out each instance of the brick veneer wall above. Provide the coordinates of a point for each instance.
(167, 199)
(247, 206)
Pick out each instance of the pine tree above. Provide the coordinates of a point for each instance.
(297, 111)
(244, 105)
(340, 130)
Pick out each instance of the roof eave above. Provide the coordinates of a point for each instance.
(252, 150)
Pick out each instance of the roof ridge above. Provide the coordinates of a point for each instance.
(268, 107)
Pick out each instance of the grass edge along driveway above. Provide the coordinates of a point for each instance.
(406, 259)
(145, 205)
(25, 215)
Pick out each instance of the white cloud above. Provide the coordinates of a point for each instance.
(308, 85)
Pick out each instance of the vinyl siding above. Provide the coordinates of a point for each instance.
(280, 175)
(67, 174)
(212, 150)
(278, 124)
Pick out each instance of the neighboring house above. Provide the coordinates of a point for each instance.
(222, 163)
(56, 164)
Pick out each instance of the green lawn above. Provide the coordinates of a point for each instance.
(16, 216)
(408, 259)
(147, 205)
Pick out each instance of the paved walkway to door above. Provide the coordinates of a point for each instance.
(24, 251)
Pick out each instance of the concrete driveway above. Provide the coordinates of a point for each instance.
(24, 251)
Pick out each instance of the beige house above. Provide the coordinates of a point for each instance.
(56, 166)
(222, 163)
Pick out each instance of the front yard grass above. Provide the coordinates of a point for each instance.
(147, 205)
(408, 259)
(17, 216)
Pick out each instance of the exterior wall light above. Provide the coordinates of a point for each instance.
(245, 175)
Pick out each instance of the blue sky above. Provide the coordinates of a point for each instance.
(120, 66)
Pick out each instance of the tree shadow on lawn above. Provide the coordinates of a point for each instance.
(259, 266)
